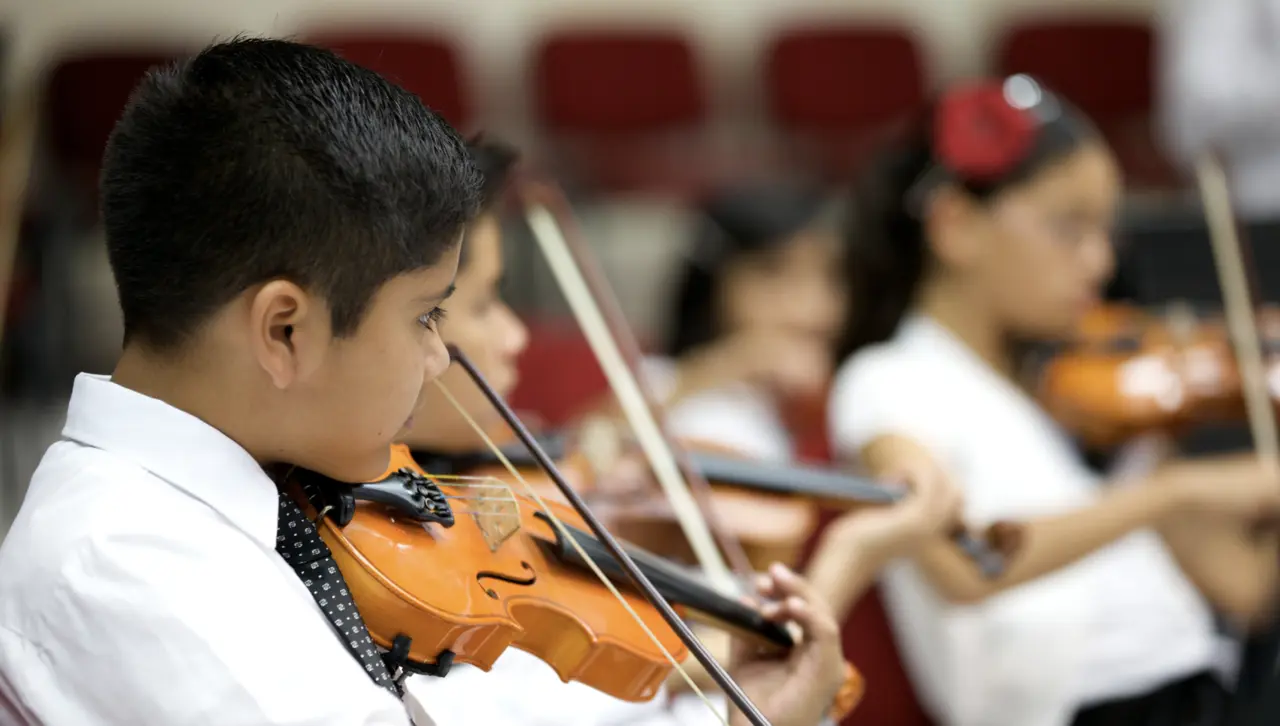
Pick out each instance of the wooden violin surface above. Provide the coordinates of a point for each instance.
(456, 590)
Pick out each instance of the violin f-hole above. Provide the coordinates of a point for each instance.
(532, 578)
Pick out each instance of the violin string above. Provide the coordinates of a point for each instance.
(564, 532)
(469, 480)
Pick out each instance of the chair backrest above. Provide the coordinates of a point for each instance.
(1104, 66)
(427, 65)
(869, 643)
(559, 375)
(623, 81)
(841, 79)
(84, 97)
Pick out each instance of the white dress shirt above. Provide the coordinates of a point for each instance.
(1117, 623)
(140, 585)
(521, 690)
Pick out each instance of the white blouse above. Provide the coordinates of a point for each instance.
(739, 416)
(1119, 622)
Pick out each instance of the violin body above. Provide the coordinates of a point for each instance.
(449, 591)
(1130, 372)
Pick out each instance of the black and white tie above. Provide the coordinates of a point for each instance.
(300, 545)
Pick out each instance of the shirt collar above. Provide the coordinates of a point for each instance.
(920, 329)
(176, 447)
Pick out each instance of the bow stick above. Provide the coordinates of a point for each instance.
(618, 353)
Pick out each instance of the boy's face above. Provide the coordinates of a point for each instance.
(483, 327)
(351, 398)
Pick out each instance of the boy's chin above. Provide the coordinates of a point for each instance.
(354, 468)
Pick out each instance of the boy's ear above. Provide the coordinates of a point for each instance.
(290, 328)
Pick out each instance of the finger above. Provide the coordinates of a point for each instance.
(773, 610)
(817, 623)
(765, 585)
(817, 613)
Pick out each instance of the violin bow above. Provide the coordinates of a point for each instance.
(17, 150)
(618, 352)
(1238, 305)
(717, 672)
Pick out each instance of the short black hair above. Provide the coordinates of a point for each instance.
(496, 162)
(262, 159)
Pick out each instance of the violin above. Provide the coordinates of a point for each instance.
(511, 580)
(740, 486)
(1130, 371)
(448, 569)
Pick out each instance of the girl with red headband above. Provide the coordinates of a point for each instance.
(989, 229)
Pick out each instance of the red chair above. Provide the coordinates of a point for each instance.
(837, 91)
(624, 109)
(83, 98)
(890, 698)
(618, 82)
(425, 64)
(1104, 66)
(867, 635)
(559, 376)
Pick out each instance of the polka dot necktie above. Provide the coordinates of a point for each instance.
(300, 545)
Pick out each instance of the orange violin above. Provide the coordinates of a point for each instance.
(1130, 371)
(497, 582)
(451, 569)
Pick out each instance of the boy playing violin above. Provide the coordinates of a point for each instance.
(283, 227)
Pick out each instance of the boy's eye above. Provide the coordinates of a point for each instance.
(431, 319)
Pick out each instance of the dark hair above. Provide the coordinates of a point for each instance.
(739, 220)
(496, 162)
(887, 253)
(260, 159)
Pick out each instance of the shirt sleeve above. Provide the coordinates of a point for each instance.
(149, 630)
(877, 393)
(659, 375)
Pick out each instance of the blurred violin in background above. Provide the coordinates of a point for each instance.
(1131, 371)
(771, 509)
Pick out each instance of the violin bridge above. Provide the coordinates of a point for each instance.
(497, 514)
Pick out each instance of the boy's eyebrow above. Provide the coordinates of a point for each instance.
(442, 295)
